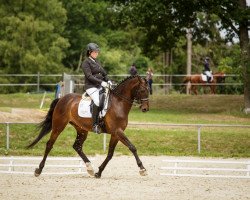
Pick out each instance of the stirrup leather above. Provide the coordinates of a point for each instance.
(96, 129)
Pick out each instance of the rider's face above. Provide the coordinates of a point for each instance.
(94, 54)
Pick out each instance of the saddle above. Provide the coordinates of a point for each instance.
(205, 75)
(85, 107)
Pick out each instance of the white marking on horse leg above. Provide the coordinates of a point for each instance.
(143, 172)
(90, 169)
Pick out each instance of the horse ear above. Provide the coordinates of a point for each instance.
(145, 79)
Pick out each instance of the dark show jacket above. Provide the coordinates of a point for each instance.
(94, 73)
(206, 67)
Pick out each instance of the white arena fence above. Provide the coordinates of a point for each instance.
(54, 165)
(173, 167)
(206, 168)
(198, 126)
(166, 81)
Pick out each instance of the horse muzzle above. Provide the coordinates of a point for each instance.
(144, 108)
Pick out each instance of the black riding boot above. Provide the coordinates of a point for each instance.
(208, 79)
(95, 117)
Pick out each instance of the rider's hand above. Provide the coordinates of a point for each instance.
(110, 83)
(104, 84)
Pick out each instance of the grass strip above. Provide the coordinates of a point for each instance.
(215, 142)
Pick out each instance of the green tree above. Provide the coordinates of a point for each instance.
(166, 20)
(31, 36)
(94, 21)
(85, 24)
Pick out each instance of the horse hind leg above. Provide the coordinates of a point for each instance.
(49, 145)
(80, 138)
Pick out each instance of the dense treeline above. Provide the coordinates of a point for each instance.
(50, 36)
(165, 21)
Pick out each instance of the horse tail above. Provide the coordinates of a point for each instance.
(46, 124)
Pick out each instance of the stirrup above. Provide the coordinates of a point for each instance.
(96, 129)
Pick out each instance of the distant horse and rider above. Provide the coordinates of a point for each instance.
(65, 110)
(207, 78)
(200, 80)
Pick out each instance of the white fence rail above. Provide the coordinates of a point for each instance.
(54, 165)
(8, 133)
(198, 126)
(205, 168)
(163, 80)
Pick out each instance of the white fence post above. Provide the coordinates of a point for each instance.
(38, 82)
(199, 139)
(42, 102)
(104, 142)
(248, 168)
(7, 135)
(175, 166)
(11, 164)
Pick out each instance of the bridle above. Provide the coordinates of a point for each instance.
(138, 90)
(136, 99)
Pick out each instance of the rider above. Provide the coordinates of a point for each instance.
(95, 78)
(207, 70)
(133, 70)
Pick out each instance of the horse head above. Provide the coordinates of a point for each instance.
(134, 89)
(142, 94)
(219, 77)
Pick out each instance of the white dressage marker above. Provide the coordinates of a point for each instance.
(56, 165)
(207, 168)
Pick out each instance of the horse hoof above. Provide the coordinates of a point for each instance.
(90, 169)
(37, 172)
(143, 172)
(97, 175)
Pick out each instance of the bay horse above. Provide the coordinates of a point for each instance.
(65, 110)
(196, 80)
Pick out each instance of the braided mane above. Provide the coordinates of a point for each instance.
(124, 80)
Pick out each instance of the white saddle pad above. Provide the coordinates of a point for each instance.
(84, 107)
(204, 77)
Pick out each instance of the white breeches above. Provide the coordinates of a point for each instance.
(208, 73)
(94, 94)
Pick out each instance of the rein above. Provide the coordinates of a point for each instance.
(133, 101)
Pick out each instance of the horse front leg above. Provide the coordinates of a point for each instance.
(112, 144)
(80, 138)
(123, 138)
(194, 89)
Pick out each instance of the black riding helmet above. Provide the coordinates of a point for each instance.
(92, 47)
